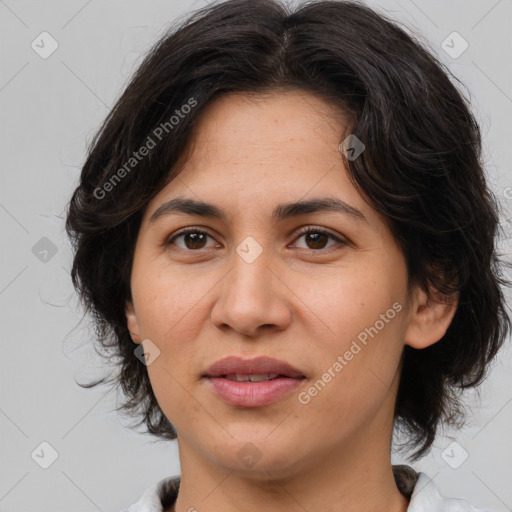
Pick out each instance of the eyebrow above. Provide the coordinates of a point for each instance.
(283, 211)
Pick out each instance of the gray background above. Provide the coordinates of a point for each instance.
(51, 107)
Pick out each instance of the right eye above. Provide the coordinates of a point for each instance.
(193, 239)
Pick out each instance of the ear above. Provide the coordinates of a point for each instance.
(430, 317)
(132, 323)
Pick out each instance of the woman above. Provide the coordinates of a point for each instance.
(284, 232)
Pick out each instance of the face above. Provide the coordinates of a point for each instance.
(324, 290)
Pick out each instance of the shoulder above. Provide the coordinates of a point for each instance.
(157, 498)
(426, 498)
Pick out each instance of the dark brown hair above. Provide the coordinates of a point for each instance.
(421, 170)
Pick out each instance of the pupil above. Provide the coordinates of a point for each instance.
(316, 237)
(193, 237)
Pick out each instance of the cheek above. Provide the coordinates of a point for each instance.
(170, 310)
(168, 302)
(355, 378)
(170, 389)
(347, 301)
(358, 355)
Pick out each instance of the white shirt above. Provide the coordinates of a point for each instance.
(425, 498)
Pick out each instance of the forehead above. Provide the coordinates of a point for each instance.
(295, 122)
(271, 148)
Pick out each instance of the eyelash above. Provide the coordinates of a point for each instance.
(303, 231)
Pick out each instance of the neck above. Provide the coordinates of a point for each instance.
(348, 480)
(370, 490)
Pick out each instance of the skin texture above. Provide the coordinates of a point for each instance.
(302, 300)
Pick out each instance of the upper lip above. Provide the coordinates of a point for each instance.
(259, 365)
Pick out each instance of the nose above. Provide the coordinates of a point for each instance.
(253, 297)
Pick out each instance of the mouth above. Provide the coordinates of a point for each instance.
(234, 366)
(252, 377)
(253, 382)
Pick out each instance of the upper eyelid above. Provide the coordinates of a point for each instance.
(311, 227)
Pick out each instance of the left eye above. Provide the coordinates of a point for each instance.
(318, 237)
(195, 239)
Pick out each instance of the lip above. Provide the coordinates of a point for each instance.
(235, 364)
(252, 394)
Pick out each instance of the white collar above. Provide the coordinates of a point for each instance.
(426, 498)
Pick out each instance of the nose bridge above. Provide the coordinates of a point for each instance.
(250, 275)
(249, 297)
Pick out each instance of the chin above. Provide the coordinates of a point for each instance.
(259, 459)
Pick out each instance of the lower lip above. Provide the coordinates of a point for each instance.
(253, 394)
